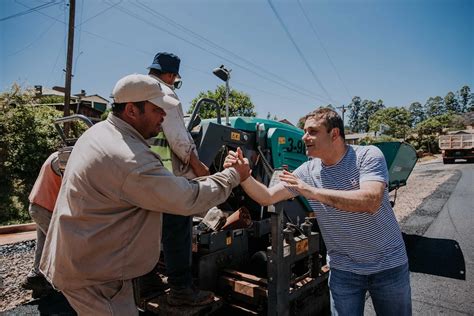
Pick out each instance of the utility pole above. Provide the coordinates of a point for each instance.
(70, 48)
(343, 110)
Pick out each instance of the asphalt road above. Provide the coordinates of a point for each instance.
(442, 259)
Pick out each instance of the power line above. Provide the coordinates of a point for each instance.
(243, 84)
(30, 10)
(99, 13)
(324, 48)
(79, 31)
(150, 53)
(175, 24)
(300, 53)
(146, 21)
(34, 41)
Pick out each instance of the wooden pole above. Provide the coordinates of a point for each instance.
(70, 48)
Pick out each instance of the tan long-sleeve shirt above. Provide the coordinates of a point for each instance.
(179, 139)
(107, 221)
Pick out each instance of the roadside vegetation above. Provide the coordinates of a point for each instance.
(28, 135)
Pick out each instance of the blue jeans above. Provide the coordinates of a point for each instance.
(42, 218)
(389, 289)
(177, 249)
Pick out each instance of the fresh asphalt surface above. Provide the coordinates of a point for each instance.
(441, 260)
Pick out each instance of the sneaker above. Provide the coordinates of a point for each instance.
(147, 287)
(190, 296)
(42, 293)
(37, 283)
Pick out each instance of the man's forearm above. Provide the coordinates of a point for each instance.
(263, 195)
(199, 168)
(352, 201)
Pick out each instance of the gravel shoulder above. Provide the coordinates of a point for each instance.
(417, 205)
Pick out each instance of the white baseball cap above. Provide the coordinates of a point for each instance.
(137, 88)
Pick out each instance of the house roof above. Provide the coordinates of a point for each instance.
(95, 98)
(464, 131)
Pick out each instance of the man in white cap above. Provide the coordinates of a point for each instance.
(178, 151)
(106, 227)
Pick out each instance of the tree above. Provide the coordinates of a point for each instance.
(397, 119)
(464, 97)
(428, 130)
(417, 113)
(354, 116)
(28, 138)
(368, 109)
(434, 106)
(451, 103)
(239, 103)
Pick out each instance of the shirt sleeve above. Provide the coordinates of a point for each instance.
(300, 174)
(373, 166)
(178, 137)
(154, 188)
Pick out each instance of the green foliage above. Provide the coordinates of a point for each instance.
(51, 99)
(397, 119)
(104, 115)
(451, 103)
(434, 106)
(379, 139)
(239, 103)
(417, 113)
(369, 108)
(427, 132)
(361, 111)
(28, 138)
(465, 99)
(354, 116)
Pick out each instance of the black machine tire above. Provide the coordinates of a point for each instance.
(448, 161)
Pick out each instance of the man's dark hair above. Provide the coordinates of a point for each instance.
(118, 108)
(155, 72)
(330, 119)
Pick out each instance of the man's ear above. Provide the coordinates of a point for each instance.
(130, 110)
(335, 133)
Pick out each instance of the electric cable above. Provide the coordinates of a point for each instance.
(171, 22)
(141, 19)
(313, 28)
(34, 41)
(30, 10)
(300, 53)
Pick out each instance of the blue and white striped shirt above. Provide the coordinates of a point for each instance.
(357, 242)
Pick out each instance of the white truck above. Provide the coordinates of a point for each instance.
(457, 145)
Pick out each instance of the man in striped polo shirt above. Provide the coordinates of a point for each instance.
(346, 187)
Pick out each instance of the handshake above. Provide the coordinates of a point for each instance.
(236, 160)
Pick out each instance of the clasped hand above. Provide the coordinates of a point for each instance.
(295, 183)
(236, 160)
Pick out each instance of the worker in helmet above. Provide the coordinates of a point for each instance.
(178, 151)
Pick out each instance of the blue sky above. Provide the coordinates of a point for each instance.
(398, 51)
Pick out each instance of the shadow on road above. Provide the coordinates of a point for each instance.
(441, 257)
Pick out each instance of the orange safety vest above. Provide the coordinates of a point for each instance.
(46, 188)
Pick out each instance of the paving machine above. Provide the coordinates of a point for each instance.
(267, 260)
(262, 260)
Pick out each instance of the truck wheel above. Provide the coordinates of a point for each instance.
(447, 161)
